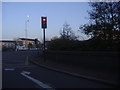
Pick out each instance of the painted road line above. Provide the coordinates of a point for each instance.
(35, 80)
(9, 69)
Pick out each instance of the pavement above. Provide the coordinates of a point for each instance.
(108, 78)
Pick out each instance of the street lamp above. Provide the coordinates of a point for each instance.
(26, 29)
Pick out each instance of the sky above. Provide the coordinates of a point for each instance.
(14, 15)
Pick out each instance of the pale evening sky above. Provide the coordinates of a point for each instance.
(14, 15)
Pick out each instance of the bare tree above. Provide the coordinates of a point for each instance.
(67, 32)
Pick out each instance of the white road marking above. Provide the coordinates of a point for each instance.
(9, 69)
(35, 80)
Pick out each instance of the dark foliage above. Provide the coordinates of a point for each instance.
(62, 44)
(104, 21)
(88, 45)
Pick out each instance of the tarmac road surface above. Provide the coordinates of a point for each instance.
(18, 74)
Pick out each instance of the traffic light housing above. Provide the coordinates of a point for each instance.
(44, 22)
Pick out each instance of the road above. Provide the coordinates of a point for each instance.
(17, 73)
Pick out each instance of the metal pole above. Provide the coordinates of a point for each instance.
(25, 33)
(43, 39)
(26, 29)
(44, 44)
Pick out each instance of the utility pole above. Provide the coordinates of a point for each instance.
(44, 39)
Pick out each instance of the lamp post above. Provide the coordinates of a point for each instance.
(26, 30)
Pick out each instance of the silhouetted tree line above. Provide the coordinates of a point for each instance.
(88, 45)
(104, 29)
(104, 21)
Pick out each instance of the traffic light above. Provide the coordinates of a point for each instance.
(44, 22)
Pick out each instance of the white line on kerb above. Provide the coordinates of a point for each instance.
(35, 80)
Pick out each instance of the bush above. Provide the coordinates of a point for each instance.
(88, 45)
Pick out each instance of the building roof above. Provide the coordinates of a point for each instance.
(7, 41)
(27, 39)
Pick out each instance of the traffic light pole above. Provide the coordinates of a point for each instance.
(43, 39)
(44, 44)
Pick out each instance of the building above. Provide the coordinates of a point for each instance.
(26, 43)
(20, 43)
